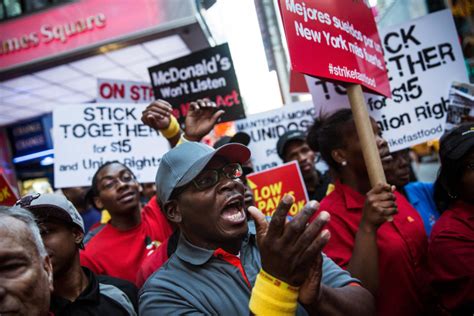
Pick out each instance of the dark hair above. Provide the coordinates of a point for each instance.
(447, 182)
(326, 134)
(94, 190)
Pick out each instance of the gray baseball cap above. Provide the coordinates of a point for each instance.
(286, 138)
(182, 164)
(240, 137)
(50, 205)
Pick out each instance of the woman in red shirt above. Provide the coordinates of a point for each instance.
(451, 244)
(375, 233)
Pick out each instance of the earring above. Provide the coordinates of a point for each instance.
(344, 163)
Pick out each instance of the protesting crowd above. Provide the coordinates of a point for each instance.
(200, 246)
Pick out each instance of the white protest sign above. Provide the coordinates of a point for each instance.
(88, 135)
(266, 128)
(423, 57)
(123, 91)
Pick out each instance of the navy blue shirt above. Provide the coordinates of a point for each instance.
(196, 281)
(90, 217)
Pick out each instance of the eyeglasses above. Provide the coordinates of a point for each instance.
(209, 177)
(108, 183)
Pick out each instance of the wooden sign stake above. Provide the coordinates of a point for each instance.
(366, 136)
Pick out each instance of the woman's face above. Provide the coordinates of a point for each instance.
(466, 188)
(353, 148)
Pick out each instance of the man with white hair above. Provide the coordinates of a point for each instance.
(26, 277)
(77, 290)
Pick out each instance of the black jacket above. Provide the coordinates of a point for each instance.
(103, 296)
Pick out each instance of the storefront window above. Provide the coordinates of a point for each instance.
(14, 8)
(34, 5)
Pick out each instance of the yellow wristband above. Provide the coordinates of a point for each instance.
(173, 128)
(271, 296)
(182, 140)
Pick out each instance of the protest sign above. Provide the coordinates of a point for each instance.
(124, 91)
(208, 73)
(266, 128)
(336, 40)
(423, 57)
(298, 83)
(7, 195)
(88, 135)
(461, 105)
(271, 185)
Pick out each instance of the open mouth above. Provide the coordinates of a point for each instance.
(233, 212)
(127, 197)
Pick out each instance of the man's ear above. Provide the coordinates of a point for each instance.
(78, 235)
(339, 155)
(172, 211)
(48, 268)
(98, 203)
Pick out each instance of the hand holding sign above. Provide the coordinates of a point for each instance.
(201, 118)
(157, 115)
(379, 205)
(289, 249)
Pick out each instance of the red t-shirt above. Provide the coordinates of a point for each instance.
(402, 247)
(119, 253)
(451, 256)
(152, 263)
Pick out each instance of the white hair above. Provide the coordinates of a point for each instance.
(26, 217)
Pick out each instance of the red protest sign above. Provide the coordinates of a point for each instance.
(298, 83)
(336, 40)
(270, 185)
(7, 196)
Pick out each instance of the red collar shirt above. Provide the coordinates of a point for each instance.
(451, 256)
(402, 246)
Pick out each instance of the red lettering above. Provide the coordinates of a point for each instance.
(134, 93)
(228, 100)
(151, 95)
(144, 89)
(120, 90)
(176, 113)
(184, 108)
(235, 96)
(108, 91)
(105, 91)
